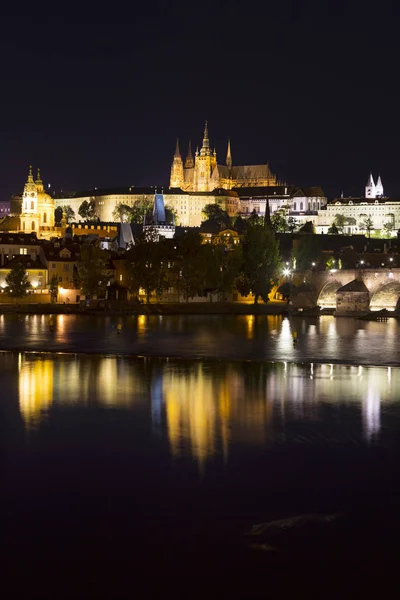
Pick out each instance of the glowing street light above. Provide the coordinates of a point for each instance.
(286, 272)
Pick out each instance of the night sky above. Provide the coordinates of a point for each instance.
(312, 87)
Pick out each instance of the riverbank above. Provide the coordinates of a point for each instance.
(191, 308)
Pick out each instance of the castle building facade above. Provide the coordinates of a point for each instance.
(203, 173)
(374, 205)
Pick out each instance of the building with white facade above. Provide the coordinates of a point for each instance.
(374, 205)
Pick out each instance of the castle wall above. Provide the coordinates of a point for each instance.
(187, 206)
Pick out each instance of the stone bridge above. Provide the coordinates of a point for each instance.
(383, 286)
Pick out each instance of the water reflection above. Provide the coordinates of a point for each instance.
(35, 388)
(205, 408)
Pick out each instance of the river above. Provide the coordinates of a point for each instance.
(155, 450)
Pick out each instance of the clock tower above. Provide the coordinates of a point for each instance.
(30, 213)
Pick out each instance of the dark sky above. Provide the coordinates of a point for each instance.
(99, 100)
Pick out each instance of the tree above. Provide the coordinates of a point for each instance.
(88, 211)
(122, 212)
(255, 218)
(279, 222)
(339, 221)
(92, 270)
(53, 288)
(239, 225)
(17, 281)
(146, 264)
(333, 230)
(215, 212)
(308, 227)
(222, 265)
(292, 224)
(191, 265)
(388, 228)
(307, 251)
(141, 209)
(171, 215)
(261, 260)
(367, 225)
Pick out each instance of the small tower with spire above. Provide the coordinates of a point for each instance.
(379, 188)
(177, 176)
(205, 163)
(189, 164)
(229, 156)
(205, 149)
(370, 190)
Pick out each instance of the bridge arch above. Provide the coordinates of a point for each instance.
(386, 296)
(327, 295)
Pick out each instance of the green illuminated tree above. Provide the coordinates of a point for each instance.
(171, 215)
(141, 209)
(88, 211)
(17, 281)
(218, 214)
(279, 222)
(122, 211)
(339, 221)
(367, 225)
(292, 224)
(388, 228)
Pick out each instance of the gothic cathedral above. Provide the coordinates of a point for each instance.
(204, 174)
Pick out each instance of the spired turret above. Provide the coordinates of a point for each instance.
(229, 156)
(189, 164)
(379, 188)
(177, 178)
(370, 190)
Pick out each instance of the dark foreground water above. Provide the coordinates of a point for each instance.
(123, 471)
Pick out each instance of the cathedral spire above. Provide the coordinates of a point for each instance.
(379, 188)
(38, 180)
(30, 176)
(189, 164)
(205, 149)
(177, 152)
(229, 156)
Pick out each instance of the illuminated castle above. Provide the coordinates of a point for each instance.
(37, 209)
(204, 174)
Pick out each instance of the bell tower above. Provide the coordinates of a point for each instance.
(204, 164)
(177, 177)
(370, 191)
(30, 212)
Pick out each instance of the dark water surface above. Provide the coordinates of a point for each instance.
(263, 337)
(118, 468)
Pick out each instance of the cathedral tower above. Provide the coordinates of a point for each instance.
(177, 179)
(189, 164)
(370, 190)
(205, 163)
(229, 156)
(379, 188)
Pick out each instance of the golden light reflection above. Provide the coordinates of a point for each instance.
(141, 324)
(250, 326)
(208, 413)
(35, 389)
